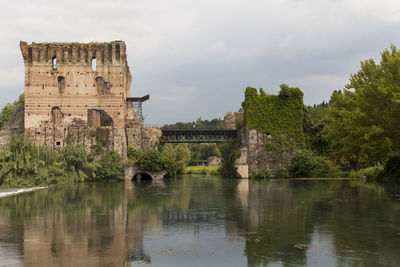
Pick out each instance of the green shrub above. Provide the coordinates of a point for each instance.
(154, 161)
(230, 151)
(9, 110)
(282, 173)
(150, 161)
(110, 167)
(180, 153)
(306, 164)
(370, 173)
(169, 165)
(132, 153)
(26, 165)
(391, 171)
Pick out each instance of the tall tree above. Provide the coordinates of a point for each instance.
(364, 126)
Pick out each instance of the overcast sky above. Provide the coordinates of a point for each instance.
(195, 58)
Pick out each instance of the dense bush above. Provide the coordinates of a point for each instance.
(370, 173)
(306, 164)
(391, 170)
(230, 151)
(150, 161)
(110, 167)
(9, 110)
(26, 165)
(180, 153)
(153, 161)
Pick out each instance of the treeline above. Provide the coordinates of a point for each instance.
(358, 129)
(198, 124)
(25, 164)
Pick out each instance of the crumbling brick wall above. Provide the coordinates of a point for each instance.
(73, 89)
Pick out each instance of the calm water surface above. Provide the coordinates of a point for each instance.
(203, 221)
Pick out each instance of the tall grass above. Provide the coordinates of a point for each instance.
(210, 170)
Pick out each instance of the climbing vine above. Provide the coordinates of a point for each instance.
(279, 116)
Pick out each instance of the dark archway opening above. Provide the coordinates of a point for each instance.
(142, 177)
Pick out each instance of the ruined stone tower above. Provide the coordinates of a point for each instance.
(77, 93)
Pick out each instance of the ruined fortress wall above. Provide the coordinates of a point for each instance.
(75, 93)
(61, 75)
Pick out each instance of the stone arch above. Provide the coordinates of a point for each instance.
(142, 176)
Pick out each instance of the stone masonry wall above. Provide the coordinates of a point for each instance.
(75, 93)
(75, 77)
(254, 157)
(260, 160)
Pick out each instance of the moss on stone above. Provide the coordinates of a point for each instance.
(279, 116)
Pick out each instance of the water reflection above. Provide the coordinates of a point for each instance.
(197, 221)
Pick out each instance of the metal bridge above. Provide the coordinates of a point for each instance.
(197, 136)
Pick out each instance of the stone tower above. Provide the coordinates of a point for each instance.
(66, 81)
(77, 93)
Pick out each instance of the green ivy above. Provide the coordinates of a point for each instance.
(279, 115)
(9, 110)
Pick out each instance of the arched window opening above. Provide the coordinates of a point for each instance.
(61, 84)
(54, 63)
(94, 64)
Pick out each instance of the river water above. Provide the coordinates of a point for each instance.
(203, 221)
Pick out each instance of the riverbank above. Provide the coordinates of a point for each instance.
(7, 192)
(211, 170)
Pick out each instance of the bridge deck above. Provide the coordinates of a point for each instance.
(197, 136)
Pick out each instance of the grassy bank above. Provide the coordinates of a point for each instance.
(213, 170)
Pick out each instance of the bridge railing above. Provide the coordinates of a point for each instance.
(197, 135)
(166, 128)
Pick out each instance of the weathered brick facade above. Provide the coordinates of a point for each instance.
(76, 93)
(62, 77)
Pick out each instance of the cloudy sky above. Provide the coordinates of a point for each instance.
(195, 58)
